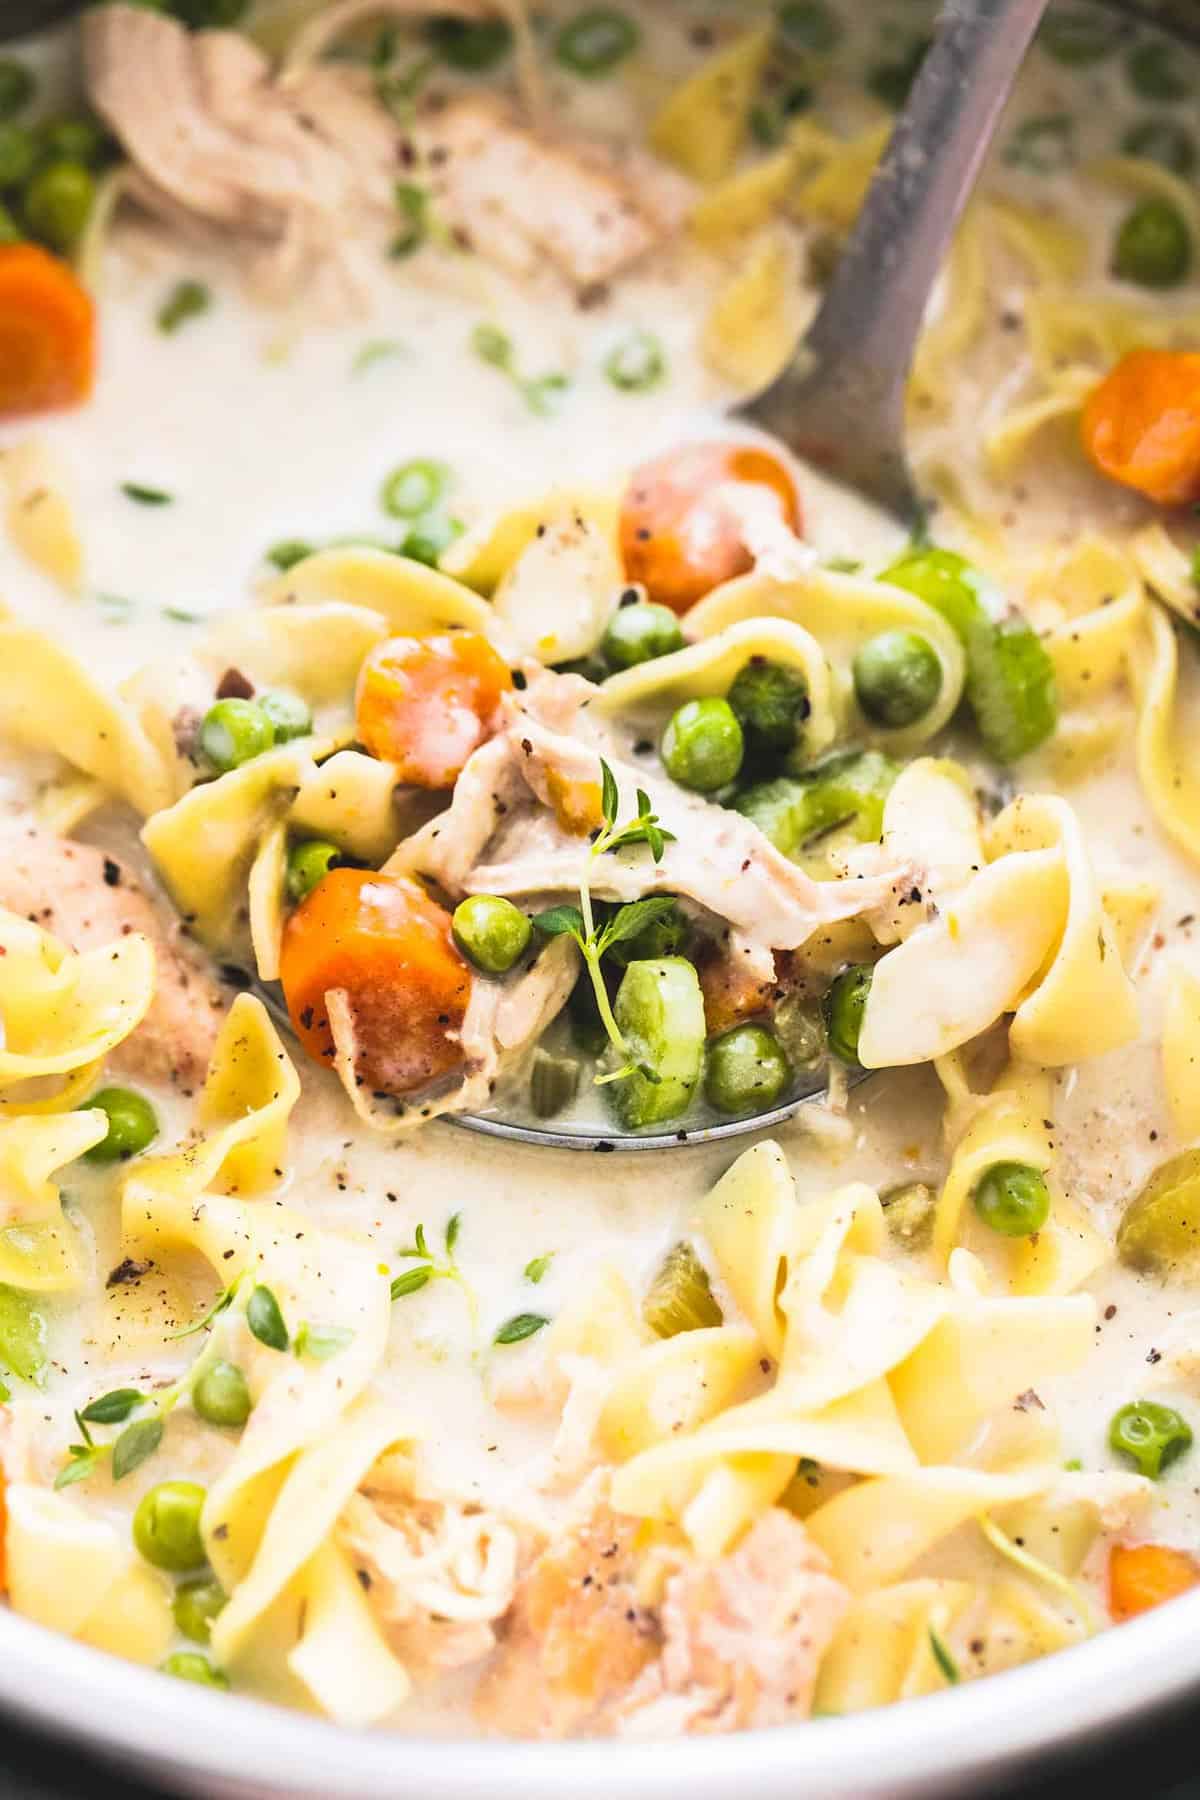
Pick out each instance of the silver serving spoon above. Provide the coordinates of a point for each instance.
(840, 402)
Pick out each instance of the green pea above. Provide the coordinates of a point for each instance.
(221, 1396)
(1013, 1199)
(17, 87)
(1080, 37)
(470, 46)
(640, 632)
(57, 202)
(897, 678)
(189, 1665)
(288, 713)
(18, 155)
(703, 745)
(233, 732)
(210, 15)
(1153, 246)
(1153, 1435)
(1163, 141)
(166, 1526)
(76, 140)
(196, 1605)
(132, 1125)
(808, 25)
(414, 489)
(845, 1005)
(308, 864)
(1154, 72)
(595, 41)
(491, 932)
(746, 1071)
(770, 703)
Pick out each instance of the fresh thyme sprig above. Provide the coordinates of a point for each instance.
(427, 1267)
(627, 922)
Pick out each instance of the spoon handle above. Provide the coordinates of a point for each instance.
(876, 302)
(841, 401)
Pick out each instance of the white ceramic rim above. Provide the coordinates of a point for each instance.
(197, 1742)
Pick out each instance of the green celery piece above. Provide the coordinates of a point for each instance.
(659, 1010)
(22, 1336)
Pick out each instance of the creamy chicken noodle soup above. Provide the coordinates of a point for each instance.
(419, 698)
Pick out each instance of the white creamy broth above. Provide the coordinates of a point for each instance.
(266, 424)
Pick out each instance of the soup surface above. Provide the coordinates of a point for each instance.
(419, 698)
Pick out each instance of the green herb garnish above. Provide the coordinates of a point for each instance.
(539, 392)
(187, 300)
(579, 922)
(266, 1320)
(943, 1658)
(146, 496)
(520, 1327)
(431, 1268)
(536, 1270)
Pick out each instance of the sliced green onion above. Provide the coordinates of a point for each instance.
(637, 363)
(414, 488)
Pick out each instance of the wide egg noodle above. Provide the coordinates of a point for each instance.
(204, 845)
(1028, 936)
(711, 665)
(408, 596)
(1098, 605)
(50, 702)
(488, 550)
(881, 1651)
(702, 123)
(1181, 1049)
(62, 1011)
(1014, 1124)
(314, 649)
(841, 612)
(81, 1576)
(305, 1446)
(39, 516)
(555, 599)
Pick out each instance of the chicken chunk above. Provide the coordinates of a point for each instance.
(521, 195)
(298, 169)
(576, 1637)
(724, 1646)
(743, 1638)
(87, 898)
(484, 843)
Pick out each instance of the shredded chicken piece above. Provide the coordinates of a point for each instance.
(521, 195)
(607, 1635)
(743, 1638)
(576, 1636)
(438, 1567)
(299, 168)
(718, 859)
(87, 898)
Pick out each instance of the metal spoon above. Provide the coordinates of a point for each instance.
(840, 402)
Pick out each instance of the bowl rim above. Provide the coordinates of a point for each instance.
(200, 1742)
